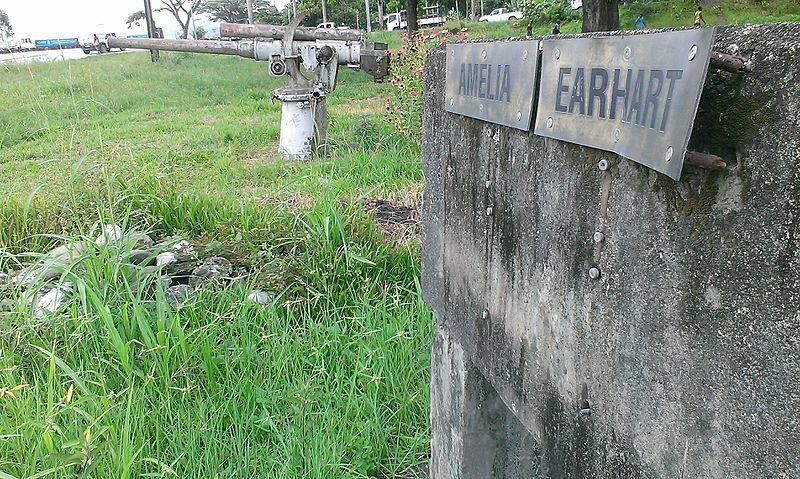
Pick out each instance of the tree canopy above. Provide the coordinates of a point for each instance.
(234, 11)
(5, 25)
(182, 10)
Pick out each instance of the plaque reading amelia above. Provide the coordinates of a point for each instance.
(492, 81)
(635, 95)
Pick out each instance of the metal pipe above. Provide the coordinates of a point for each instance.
(277, 32)
(243, 49)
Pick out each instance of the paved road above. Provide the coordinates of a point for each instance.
(46, 56)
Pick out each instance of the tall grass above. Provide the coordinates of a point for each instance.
(330, 379)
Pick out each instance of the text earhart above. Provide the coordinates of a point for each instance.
(646, 95)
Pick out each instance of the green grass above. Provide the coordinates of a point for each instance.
(329, 380)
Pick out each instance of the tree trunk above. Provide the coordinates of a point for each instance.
(473, 13)
(324, 11)
(250, 11)
(380, 14)
(367, 16)
(600, 15)
(411, 12)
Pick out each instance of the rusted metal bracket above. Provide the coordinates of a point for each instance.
(705, 160)
(728, 63)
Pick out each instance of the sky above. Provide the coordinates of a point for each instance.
(43, 19)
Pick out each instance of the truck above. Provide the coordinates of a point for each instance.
(501, 15)
(431, 17)
(101, 46)
(57, 43)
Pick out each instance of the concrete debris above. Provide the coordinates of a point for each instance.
(111, 234)
(173, 266)
(215, 268)
(140, 256)
(178, 295)
(51, 301)
(51, 265)
(166, 258)
(260, 297)
(144, 241)
(183, 248)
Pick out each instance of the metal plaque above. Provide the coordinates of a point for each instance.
(494, 81)
(635, 95)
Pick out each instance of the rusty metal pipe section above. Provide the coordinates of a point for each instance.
(244, 49)
(277, 32)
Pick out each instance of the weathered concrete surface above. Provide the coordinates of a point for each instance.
(686, 349)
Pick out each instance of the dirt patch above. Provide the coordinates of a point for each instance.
(372, 104)
(398, 221)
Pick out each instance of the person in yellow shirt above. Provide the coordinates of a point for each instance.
(698, 17)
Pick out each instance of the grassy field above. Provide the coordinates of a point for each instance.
(329, 380)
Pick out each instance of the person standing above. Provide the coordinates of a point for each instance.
(698, 17)
(639, 23)
(557, 28)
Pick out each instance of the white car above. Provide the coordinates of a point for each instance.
(500, 15)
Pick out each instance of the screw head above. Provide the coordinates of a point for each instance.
(485, 314)
(594, 273)
(489, 211)
(519, 115)
(617, 134)
(598, 237)
(483, 54)
(668, 153)
(692, 52)
(603, 165)
(549, 123)
(627, 53)
(556, 53)
(524, 55)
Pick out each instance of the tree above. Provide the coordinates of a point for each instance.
(271, 15)
(411, 12)
(5, 25)
(136, 18)
(600, 15)
(182, 10)
(233, 11)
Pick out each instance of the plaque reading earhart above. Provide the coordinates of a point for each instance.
(492, 81)
(635, 95)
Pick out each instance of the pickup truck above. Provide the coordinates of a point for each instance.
(399, 20)
(500, 15)
(332, 25)
(89, 46)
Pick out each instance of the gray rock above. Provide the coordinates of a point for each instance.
(183, 249)
(111, 234)
(178, 295)
(5, 280)
(259, 296)
(51, 301)
(50, 265)
(7, 305)
(140, 256)
(215, 268)
(144, 241)
(166, 258)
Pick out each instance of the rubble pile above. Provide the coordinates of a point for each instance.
(44, 287)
